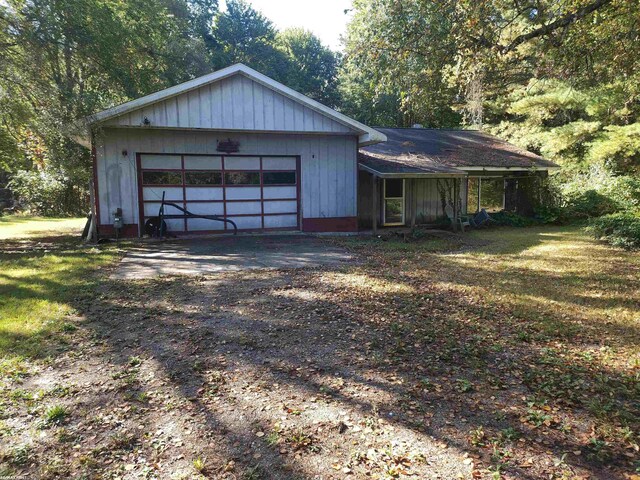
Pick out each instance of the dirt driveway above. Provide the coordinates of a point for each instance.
(411, 361)
(207, 255)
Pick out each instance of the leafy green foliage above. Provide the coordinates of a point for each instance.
(384, 81)
(619, 229)
(49, 193)
(55, 415)
(598, 192)
(312, 68)
(242, 34)
(619, 147)
(63, 60)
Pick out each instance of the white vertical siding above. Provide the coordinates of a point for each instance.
(328, 166)
(234, 103)
(429, 198)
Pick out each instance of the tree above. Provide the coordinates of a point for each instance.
(433, 54)
(387, 62)
(312, 67)
(244, 35)
(294, 57)
(65, 59)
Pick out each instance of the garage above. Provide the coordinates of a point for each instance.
(234, 144)
(256, 192)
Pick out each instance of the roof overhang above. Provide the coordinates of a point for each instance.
(379, 174)
(367, 135)
(507, 169)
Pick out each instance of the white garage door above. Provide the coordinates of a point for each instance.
(256, 192)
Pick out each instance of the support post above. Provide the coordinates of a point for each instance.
(455, 204)
(374, 204)
(414, 201)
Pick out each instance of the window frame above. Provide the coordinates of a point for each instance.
(384, 202)
(479, 191)
(248, 172)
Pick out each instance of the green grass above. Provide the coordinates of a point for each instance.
(18, 226)
(55, 415)
(42, 284)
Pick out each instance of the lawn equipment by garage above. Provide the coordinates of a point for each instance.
(157, 227)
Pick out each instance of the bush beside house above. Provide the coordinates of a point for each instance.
(47, 193)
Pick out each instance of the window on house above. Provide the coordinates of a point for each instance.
(487, 193)
(492, 194)
(393, 202)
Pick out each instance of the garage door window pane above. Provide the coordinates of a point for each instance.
(162, 178)
(242, 178)
(203, 178)
(279, 178)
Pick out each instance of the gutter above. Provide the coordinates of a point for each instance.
(412, 175)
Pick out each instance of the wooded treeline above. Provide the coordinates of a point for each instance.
(64, 59)
(560, 78)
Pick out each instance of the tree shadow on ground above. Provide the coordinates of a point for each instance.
(367, 368)
(428, 361)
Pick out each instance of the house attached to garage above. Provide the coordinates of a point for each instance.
(238, 145)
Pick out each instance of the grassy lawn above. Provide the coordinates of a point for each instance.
(503, 353)
(20, 227)
(43, 267)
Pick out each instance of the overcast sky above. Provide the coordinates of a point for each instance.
(325, 18)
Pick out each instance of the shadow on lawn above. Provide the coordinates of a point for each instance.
(443, 363)
(448, 356)
(38, 282)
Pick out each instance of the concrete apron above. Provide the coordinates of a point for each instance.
(211, 255)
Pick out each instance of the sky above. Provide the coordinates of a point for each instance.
(325, 18)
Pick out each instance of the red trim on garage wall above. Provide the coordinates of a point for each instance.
(128, 230)
(336, 224)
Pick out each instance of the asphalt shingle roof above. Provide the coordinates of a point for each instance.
(428, 151)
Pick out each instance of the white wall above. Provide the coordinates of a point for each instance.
(429, 202)
(328, 165)
(234, 103)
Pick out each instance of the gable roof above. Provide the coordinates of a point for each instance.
(367, 135)
(446, 151)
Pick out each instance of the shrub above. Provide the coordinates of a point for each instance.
(619, 229)
(600, 192)
(514, 220)
(48, 193)
(590, 203)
